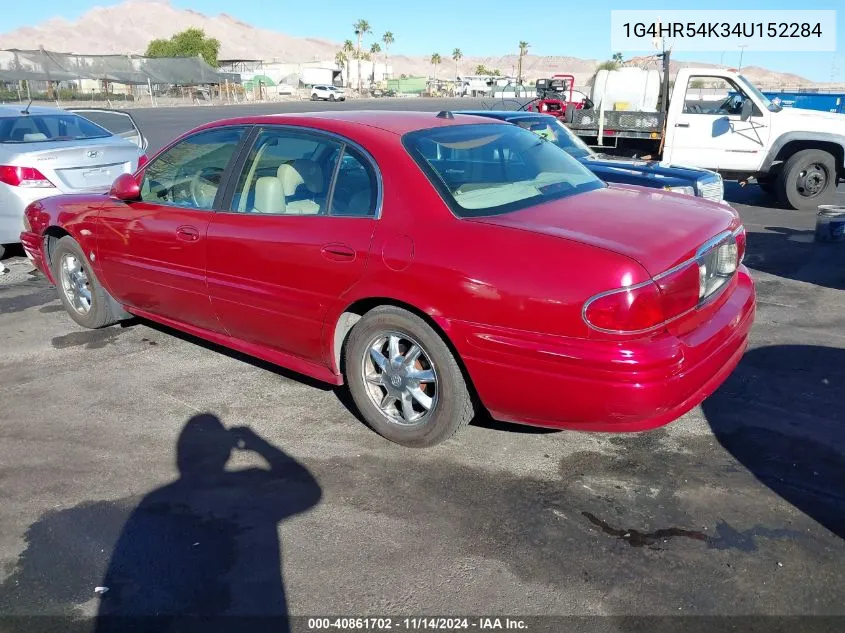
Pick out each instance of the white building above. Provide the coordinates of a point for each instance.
(305, 74)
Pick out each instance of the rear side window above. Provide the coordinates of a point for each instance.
(35, 128)
(488, 169)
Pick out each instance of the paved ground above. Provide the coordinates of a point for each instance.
(160, 125)
(738, 508)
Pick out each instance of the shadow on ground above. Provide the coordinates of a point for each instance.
(794, 254)
(781, 415)
(187, 556)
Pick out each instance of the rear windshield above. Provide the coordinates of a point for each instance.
(490, 169)
(42, 128)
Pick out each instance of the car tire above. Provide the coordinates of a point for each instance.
(331, 97)
(314, 97)
(2, 250)
(372, 386)
(808, 179)
(102, 310)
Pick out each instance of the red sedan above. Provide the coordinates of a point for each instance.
(435, 263)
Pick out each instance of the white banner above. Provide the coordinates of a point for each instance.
(723, 30)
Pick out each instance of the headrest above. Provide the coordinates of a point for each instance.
(269, 197)
(290, 178)
(34, 136)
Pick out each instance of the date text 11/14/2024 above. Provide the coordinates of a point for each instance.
(415, 624)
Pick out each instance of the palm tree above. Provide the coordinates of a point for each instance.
(348, 53)
(375, 49)
(362, 27)
(340, 59)
(523, 51)
(387, 38)
(457, 55)
(435, 60)
(617, 57)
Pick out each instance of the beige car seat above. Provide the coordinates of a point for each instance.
(301, 172)
(272, 194)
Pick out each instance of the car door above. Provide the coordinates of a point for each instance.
(295, 238)
(152, 252)
(117, 122)
(709, 132)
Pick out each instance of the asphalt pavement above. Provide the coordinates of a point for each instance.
(736, 509)
(160, 125)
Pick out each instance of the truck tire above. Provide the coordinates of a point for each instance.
(808, 179)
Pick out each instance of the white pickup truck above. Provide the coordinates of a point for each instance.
(717, 119)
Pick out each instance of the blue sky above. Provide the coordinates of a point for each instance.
(488, 27)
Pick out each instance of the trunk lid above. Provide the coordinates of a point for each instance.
(82, 166)
(657, 229)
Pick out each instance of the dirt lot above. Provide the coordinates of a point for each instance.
(738, 508)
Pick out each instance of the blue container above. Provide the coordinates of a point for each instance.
(830, 223)
(824, 102)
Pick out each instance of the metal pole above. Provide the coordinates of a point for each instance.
(28, 96)
(741, 51)
(150, 87)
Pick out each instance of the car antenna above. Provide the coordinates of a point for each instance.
(445, 114)
(26, 109)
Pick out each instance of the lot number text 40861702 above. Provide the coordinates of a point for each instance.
(416, 624)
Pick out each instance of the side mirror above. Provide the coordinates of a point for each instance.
(125, 188)
(747, 110)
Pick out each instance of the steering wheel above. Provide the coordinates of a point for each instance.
(204, 186)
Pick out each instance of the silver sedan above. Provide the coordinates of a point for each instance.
(47, 151)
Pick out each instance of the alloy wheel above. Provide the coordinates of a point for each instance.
(75, 283)
(400, 379)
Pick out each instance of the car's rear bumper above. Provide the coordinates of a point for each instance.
(599, 385)
(13, 202)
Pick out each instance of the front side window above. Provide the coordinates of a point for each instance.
(714, 96)
(189, 174)
(34, 128)
(297, 173)
(487, 169)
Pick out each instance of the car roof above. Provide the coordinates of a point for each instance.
(397, 122)
(8, 110)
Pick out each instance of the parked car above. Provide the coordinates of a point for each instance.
(645, 173)
(47, 151)
(448, 263)
(327, 93)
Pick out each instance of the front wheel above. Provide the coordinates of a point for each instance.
(331, 97)
(808, 179)
(85, 300)
(404, 379)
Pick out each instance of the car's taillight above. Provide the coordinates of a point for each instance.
(717, 262)
(625, 310)
(741, 243)
(143, 160)
(670, 295)
(23, 177)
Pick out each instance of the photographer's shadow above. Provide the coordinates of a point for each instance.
(205, 548)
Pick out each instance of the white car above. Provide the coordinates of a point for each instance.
(46, 151)
(327, 93)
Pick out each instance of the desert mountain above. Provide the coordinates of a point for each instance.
(128, 27)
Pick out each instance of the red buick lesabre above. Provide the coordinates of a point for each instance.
(437, 264)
